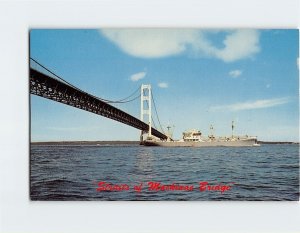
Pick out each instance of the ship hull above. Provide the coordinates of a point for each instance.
(237, 143)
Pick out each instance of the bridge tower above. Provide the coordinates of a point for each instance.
(146, 96)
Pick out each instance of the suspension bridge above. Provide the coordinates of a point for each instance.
(47, 84)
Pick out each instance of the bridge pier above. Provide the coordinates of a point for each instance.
(146, 96)
(141, 138)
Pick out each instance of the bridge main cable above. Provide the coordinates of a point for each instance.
(50, 88)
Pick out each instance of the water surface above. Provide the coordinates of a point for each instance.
(72, 172)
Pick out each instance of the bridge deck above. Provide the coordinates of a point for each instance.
(53, 89)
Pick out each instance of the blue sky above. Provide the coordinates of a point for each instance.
(198, 78)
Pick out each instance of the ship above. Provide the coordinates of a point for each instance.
(194, 138)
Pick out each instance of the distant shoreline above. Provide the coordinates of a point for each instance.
(86, 143)
(122, 142)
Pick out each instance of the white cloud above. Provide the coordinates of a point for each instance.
(150, 43)
(137, 76)
(266, 103)
(239, 44)
(235, 73)
(156, 43)
(163, 85)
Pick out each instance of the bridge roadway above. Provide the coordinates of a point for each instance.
(45, 86)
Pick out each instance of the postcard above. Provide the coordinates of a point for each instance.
(164, 114)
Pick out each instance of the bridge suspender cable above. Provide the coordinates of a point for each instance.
(161, 128)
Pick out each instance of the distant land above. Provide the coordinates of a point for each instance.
(87, 143)
(122, 142)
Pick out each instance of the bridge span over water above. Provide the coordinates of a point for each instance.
(48, 85)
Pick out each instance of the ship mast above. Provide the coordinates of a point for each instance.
(170, 132)
(232, 127)
(211, 131)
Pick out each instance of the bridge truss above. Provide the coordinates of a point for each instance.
(50, 88)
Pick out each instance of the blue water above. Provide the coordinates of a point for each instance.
(268, 172)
